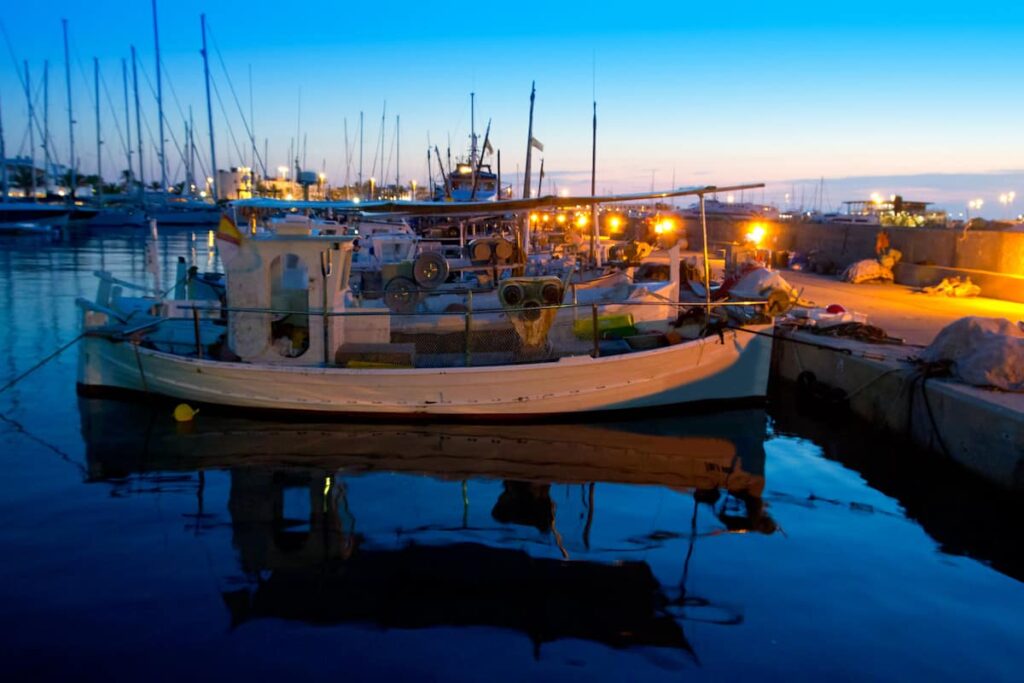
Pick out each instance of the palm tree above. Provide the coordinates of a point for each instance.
(23, 178)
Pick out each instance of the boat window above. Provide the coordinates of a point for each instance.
(289, 291)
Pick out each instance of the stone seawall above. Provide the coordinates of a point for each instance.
(980, 250)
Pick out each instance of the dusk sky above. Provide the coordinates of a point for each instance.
(921, 99)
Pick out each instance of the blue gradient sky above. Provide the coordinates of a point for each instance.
(915, 98)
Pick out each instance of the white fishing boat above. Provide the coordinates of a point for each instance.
(295, 338)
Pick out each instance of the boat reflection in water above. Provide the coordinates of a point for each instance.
(415, 566)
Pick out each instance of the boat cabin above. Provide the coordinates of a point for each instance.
(278, 289)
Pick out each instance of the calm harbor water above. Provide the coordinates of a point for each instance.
(748, 542)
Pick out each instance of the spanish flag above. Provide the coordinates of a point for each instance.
(229, 238)
(228, 231)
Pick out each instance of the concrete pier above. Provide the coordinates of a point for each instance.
(981, 429)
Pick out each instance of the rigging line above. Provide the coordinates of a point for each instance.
(174, 93)
(231, 86)
(170, 129)
(21, 80)
(387, 169)
(113, 113)
(44, 361)
(21, 429)
(14, 57)
(231, 131)
(380, 138)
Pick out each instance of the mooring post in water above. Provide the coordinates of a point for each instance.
(469, 324)
(195, 328)
(597, 338)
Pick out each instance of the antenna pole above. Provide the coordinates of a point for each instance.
(529, 143)
(472, 129)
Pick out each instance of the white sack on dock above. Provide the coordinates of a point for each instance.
(758, 284)
(985, 352)
(868, 270)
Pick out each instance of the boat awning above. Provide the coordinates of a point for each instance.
(415, 208)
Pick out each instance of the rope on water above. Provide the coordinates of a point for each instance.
(41, 363)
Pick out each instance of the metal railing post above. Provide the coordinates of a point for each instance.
(597, 337)
(469, 324)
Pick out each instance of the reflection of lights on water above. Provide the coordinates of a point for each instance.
(209, 239)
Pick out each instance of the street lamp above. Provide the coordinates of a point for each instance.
(975, 204)
(1006, 199)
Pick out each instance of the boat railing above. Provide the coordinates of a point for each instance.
(362, 312)
(489, 335)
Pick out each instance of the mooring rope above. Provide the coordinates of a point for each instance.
(41, 363)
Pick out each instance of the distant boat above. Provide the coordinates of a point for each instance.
(748, 210)
(182, 210)
(461, 180)
(851, 219)
(30, 217)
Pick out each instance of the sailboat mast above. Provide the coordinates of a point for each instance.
(127, 121)
(99, 139)
(188, 172)
(3, 158)
(348, 162)
(138, 126)
(31, 133)
(595, 231)
(529, 143)
(398, 152)
(360, 154)
(209, 111)
(252, 132)
(191, 152)
(46, 126)
(159, 103)
(71, 121)
(383, 131)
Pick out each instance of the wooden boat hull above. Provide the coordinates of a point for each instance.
(711, 369)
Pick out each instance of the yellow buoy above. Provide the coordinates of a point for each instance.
(183, 412)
